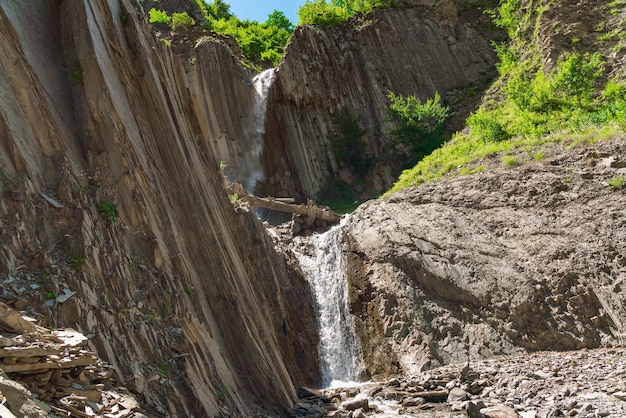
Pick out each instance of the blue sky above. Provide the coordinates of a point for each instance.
(259, 9)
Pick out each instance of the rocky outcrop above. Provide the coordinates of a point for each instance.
(407, 50)
(114, 220)
(502, 262)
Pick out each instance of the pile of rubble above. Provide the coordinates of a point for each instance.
(51, 372)
(585, 383)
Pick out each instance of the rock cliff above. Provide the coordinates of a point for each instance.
(411, 50)
(114, 220)
(529, 258)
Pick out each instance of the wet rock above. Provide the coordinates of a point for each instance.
(353, 405)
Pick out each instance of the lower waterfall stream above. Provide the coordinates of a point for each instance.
(324, 265)
(325, 269)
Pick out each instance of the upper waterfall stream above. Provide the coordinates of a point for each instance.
(325, 269)
(246, 168)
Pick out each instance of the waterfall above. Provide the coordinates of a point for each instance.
(251, 163)
(325, 270)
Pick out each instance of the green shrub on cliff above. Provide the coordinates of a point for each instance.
(418, 127)
(260, 42)
(530, 103)
(158, 17)
(335, 13)
(181, 19)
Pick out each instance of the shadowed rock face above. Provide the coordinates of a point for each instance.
(496, 263)
(186, 298)
(410, 51)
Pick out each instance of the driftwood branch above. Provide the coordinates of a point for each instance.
(310, 210)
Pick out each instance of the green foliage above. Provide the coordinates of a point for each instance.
(335, 13)
(338, 195)
(108, 210)
(222, 392)
(576, 76)
(347, 144)
(489, 126)
(165, 369)
(279, 20)
(508, 16)
(217, 10)
(510, 160)
(617, 182)
(320, 13)
(77, 74)
(158, 17)
(530, 104)
(418, 126)
(181, 19)
(350, 151)
(259, 42)
(76, 262)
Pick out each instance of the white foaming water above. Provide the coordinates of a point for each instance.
(252, 164)
(326, 273)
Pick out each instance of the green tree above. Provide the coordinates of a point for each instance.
(279, 20)
(219, 10)
(320, 13)
(335, 13)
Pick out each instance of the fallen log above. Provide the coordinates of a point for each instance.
(310, 210)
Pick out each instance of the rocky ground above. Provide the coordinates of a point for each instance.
(586, 383)
(52, 373)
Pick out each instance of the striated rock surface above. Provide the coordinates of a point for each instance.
(512, 260)
(114, 221)
(408, 50)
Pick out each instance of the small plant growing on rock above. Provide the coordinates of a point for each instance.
(77, 74)
(181, 20)
(158, 17)
(108, 210)
(617, 182)
(510, 160)
(76, 262)
(220, 393)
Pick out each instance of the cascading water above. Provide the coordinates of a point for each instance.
(252, 164)
(325, 270)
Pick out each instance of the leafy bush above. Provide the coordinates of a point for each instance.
(181, 19)
(576, 76)
(335, 13)
(158, 17)
(320, 13)
(108, 210)
(418, 126)
(338, 195)
(259, 42)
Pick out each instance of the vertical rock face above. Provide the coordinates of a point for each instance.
(186, 298)
(409, 51)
